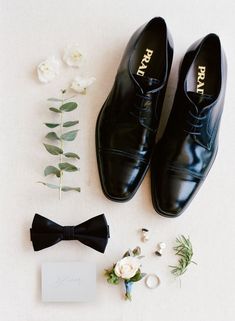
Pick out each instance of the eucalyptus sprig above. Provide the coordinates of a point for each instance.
(63, 106)
(184, 250)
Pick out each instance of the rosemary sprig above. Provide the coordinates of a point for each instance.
(184, 250)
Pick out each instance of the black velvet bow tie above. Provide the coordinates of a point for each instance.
(93, 233)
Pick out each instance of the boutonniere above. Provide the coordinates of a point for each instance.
(127, 270)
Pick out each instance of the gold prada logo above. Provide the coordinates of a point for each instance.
(200, 79)
(144, 62)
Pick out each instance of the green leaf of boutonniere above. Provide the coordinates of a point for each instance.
(55, 110)
(137, 277)
(67, 167)
(127, 253)
(112, 278)
(68, 107)
(69, 136)
(52, 136)
(71, 155)
(52, 170)
(136, 251)
(51, 125)
(70, 123)
(54, 150)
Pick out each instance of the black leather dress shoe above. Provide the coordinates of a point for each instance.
(128, 121)
(187, 150)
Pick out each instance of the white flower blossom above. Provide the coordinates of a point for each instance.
(127, 267)
(72, 56)
(80, 84)
(48, 69)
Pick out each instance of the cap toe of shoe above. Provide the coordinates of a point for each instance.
(172, 194)
(120, 175)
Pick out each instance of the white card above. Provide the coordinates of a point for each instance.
(68, 281)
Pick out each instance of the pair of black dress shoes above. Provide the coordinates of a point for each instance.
(129, 119)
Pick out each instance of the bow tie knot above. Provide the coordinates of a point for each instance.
(68, 233)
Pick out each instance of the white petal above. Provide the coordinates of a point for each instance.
(72, 56)
(80, 84)
(48, 69)
(127, 267)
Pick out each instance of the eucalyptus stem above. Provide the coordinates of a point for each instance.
(61, 146)
(63, 134)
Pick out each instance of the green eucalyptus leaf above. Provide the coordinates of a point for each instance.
(68, 188)
(71, 155)
(70, 123)
(52, 170)
(54, 99)
(51, 125)
(55, 110)
(54, 150)
(69, 136)
(52, 136)
(68, 107)
(50, 185)
(67, 167)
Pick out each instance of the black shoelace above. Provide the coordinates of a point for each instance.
(195, 123)
(142, 104)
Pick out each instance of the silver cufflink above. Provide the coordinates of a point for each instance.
(144, 235)
(160, 248)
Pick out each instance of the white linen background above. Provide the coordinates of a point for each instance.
(29, 32)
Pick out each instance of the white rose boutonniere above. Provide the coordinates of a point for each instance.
(72, 56)
(126, 269)
(80, 84)
(48, 69)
